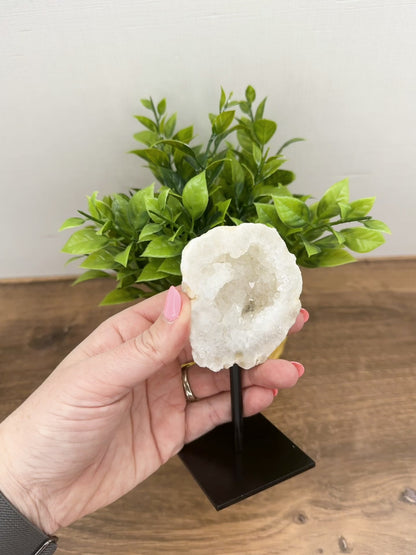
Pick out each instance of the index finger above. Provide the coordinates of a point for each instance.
(120, 327)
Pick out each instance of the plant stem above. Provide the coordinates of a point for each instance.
(210, 141)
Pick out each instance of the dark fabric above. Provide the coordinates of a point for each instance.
(18, 536)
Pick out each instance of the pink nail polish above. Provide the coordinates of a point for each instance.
(173, 305)
(299, 367)
(305, 314)
(274, 392)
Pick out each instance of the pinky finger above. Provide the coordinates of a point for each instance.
(204, 415)
(301, 319)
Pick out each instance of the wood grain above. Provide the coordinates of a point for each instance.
(354, 412)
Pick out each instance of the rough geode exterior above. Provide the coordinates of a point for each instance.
(244, 286)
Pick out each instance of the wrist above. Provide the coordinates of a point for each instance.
(20, 536)
(22, 496)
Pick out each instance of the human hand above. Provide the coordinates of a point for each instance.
(114, 410)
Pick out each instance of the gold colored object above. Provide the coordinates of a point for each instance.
(189, 394)
(277, 353)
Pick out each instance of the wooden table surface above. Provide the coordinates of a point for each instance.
(354, 412)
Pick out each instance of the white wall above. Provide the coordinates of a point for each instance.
(339, 72)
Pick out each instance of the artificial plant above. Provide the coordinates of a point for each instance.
(136, 237)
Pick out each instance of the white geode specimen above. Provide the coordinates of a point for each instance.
(244, 287)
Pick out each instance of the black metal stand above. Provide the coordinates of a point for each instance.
(237, 406)
(259, 457)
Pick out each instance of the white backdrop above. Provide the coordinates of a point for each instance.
(340, 73)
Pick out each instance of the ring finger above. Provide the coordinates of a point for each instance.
(272, 374)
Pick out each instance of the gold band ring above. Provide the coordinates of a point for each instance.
(189, 394)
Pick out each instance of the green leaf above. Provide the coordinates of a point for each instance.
(310, 248)
(271, 166)
(223, 121)
(71, 222)
(149, 231)
(328, 205)
(331, 258)
(292, 211)
(264, 130)
(91, 274)
(136, 210)
(72, 259)
(120, 208)
(125, 277)
(283, 177)
(220, 211)
(92, 205)
(257, 156)
(334, 257)
(260, 110)
(339, 236)
(123, 257)
(185, 135)
(271, 190)
(244, 107)
(162, 247)
(161, 107)
(302, 197)
(361, 239)
(152, 207)
(104, 209)
(245, 140)
(148, 138)
(151, 272)
(377, 225)
(237, 174)
(328, 242)
(101, 260)
(236, 221)
(344, 209)
(223, 99)
(171, 266)
(175, 208)
(360, 208)
(84, 241)
(287, 143)
(153, 156)
(173, 180)
(195, 195)
(266, 214)
(147, 122)
(147, 103)
(179, 145)
(162, 197)
(118, 296)
(170, 126)
(250, 94)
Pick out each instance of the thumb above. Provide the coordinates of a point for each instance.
(137, 359)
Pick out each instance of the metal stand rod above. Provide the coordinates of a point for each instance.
(237, 406)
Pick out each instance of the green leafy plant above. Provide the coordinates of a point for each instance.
(137, 237)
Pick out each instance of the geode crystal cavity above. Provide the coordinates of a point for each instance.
(244, 287)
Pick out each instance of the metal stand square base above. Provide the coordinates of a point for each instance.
(227, 477)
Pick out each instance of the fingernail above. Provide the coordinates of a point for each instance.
(305, 315)
(274, 392)
(299, 367)
(173, 305)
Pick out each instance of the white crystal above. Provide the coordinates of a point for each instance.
(244, 287)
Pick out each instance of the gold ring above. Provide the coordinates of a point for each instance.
(189, 394)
